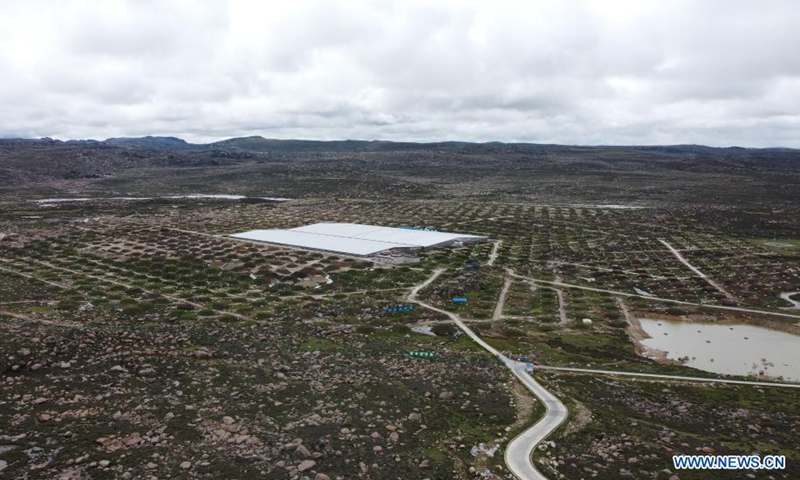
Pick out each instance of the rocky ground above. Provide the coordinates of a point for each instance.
(216, 401)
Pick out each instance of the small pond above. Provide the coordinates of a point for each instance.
(728, 349)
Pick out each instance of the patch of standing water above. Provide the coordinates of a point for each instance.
(607, 207)
(195, 196)
(727, 349)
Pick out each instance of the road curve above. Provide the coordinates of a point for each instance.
(519, 450)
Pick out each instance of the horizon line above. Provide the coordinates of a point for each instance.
(378, 140)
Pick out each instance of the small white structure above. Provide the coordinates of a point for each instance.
(529, 367)
(356, 239)
(587, 321)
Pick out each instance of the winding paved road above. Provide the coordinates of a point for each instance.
(519, 450)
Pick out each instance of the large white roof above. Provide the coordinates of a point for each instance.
(353, 238)
(313, 241)
(405, 236)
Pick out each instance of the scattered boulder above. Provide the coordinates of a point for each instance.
(132, 439)
(302, 451)
(306, 465)
(202, 354)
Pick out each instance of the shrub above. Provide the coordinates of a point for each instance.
(399, 328)
(444, 329)
(513, 332)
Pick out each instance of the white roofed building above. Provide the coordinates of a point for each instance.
(356, 239)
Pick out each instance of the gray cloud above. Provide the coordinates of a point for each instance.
(579, 72)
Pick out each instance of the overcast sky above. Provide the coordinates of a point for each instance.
(574, 72)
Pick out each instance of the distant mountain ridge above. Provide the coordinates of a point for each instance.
(156, 143)
(677, 174)
(265, 145)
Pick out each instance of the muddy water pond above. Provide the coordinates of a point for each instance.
(728, 349)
